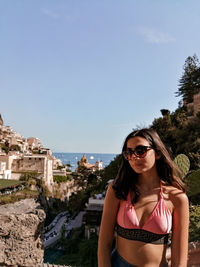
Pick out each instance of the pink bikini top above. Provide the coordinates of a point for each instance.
(158, 224)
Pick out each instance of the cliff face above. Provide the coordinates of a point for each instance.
(64, 190)
(21, 226)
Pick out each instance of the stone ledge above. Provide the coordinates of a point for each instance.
(21, 234)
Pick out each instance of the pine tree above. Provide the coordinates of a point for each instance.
(189, 83)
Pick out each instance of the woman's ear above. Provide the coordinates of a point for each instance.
(158, 156)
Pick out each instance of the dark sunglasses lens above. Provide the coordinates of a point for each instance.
(140, 150)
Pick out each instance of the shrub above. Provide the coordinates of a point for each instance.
(194, 230)
(25, 176)
(60, 179)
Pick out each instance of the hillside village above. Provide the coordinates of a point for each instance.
(19, 155)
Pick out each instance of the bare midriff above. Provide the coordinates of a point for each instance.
(141, 254)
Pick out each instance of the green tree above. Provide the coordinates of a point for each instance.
(77, 201)
(79, 251)
(110, 171)
(180, 135)
(60, 167)
(165, 112)
(189, 83)
(179, 117)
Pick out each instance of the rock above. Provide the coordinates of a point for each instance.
(21, 234)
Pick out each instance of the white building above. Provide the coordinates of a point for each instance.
(24, 146)
(56, 162)
(99, 165)
(6, 166)
(4, 174)
(34, 143)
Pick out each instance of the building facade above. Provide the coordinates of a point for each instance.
(92, 216)
(42, 165)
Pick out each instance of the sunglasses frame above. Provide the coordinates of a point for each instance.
(128, 154)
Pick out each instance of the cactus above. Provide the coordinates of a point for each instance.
(183, 163)
(193, 181)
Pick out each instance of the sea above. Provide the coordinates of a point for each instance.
(73, 158)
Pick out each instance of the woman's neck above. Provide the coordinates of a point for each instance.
(148, 181)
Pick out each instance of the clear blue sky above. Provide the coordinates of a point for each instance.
(80, 74)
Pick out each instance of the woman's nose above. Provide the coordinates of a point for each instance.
(134, 157)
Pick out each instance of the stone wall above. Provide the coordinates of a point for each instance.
(21, 234)
(31, 164)
(193, 255)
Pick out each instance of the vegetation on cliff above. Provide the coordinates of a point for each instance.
(15, 190)
(61, 179)
(79, 251)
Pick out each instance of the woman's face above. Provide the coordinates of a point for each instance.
(141, 162)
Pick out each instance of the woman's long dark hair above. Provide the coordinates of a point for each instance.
(127, 178)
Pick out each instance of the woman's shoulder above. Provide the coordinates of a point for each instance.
(111, 193)
(110, 185)
(176, 195)
(110, 189)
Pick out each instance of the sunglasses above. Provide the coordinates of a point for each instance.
(138, 152)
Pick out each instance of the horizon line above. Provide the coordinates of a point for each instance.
(87, 152)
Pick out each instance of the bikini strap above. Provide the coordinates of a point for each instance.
(161, 189)
(129, 197)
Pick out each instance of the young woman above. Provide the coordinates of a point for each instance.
(144, 204)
